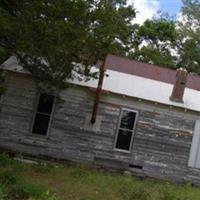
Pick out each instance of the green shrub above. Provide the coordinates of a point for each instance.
(2, 193)
(78, 173)
(50, 196)
(138, 194)
(15, 187)
(134, 193)
(169, 193)
(25, 190)
(42, 167)
(8, 177)
(5, 160)
(17, 166)
(47, 196)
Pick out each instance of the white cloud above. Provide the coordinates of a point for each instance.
(145, 9)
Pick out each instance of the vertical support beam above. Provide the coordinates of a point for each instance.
(98, 91)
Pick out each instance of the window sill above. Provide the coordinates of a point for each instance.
(38, 136)
(122, 151)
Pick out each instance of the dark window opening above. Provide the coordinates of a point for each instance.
(135, 166)
(43, 114)
(123, 139)
(125, 130)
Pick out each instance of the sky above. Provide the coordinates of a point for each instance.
(148, 8)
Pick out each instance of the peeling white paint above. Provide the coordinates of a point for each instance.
(144, 88)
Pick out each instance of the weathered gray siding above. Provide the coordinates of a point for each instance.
(161, 143)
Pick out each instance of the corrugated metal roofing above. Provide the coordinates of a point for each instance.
(137, 79)
(154, 72)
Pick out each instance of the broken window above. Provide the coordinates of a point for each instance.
(43, 114)
(126, 129)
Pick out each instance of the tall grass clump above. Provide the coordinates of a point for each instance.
(13, 186)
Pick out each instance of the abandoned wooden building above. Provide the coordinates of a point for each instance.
(148, 120)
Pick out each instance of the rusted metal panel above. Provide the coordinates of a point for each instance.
(155, 72)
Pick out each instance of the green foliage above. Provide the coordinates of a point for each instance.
(5, 160)
(78, 173)
(171, 43)
(158, 30)
(15, 187)
(152, 55)
(2, 193)
(26, 182)
(3, 54)
(189, 40)
(8, 177)
(5, 26)
(24, 190)
(134, 193)
(50, 38)
(43, 167)
(50, 196)
(154, 41)
(169, 193)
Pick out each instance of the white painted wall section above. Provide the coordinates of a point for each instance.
(143, 88)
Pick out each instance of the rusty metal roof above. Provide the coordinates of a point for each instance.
(128, 66)
(154, 72)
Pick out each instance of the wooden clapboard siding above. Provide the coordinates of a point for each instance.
(161, 143)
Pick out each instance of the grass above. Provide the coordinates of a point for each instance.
(61, 182)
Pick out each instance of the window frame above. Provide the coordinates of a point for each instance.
(35, 113)
(132, 131)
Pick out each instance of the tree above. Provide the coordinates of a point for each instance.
(171, 43)
(154, 42)
(189, 40)
(57, 39)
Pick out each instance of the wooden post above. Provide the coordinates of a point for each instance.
(98, 92)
